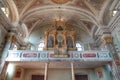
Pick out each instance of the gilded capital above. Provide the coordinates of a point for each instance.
(9, 38)
(15, 39)
(107, 40)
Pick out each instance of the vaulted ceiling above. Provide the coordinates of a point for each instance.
(33, 17)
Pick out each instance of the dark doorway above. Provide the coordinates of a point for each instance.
(37, 77)
(81, 77)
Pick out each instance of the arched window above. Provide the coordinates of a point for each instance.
(41, 46)
(114, 12)
(79, 47)
(14, 47)
(5, 10)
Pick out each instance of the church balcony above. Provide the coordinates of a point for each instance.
(50, 56)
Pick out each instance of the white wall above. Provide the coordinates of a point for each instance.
(10, 71)
(105, 73)
(60, 74)
(21, 75)
(30, 72)
(89, 72)
(116, 39)
(65, 74)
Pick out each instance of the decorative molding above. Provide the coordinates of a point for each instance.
(60, 1)
(102, 30)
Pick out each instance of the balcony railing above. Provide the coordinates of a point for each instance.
(22, 55)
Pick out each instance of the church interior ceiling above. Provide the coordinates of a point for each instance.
(34, 17)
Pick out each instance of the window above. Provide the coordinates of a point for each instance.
(114, 12)
(79, 47)
(14, 47)
(41, 46)
(5, 10)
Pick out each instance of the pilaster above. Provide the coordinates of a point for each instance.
(9, 39)
(107, 41)
(72, 71)
(46, 71)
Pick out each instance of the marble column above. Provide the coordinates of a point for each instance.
(72, 71)
(107, 41)
(8, 42)
(46, 71)
(46, 39)
(10, 72)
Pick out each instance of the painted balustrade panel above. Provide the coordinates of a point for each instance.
(13, 55)
(103, 54)
(50, 56)
(90, 56)
(30, 55)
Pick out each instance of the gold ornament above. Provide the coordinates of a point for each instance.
(60, 1)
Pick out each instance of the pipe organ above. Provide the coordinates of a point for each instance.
(60, 38)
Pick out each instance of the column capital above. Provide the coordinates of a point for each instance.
(11, 34)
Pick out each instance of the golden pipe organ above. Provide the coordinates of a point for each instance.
(60, 38)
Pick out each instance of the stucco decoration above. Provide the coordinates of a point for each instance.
(60, 1)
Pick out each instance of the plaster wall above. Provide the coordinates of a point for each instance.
(60, 74)
(116, 39)
(103, 74)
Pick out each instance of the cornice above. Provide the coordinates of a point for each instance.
(112, 24)
(102, 30)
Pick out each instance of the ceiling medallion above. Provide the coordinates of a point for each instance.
(60, 1)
